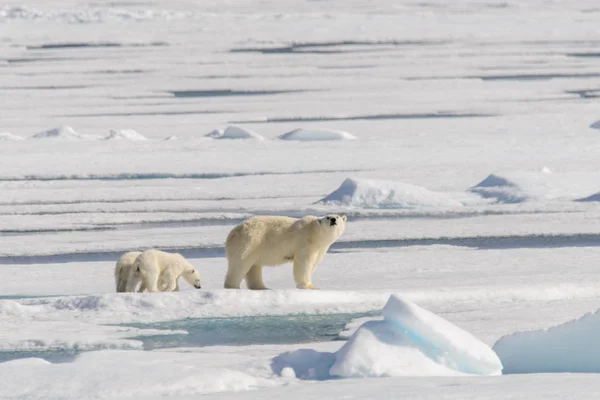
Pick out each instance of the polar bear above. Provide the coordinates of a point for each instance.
(122, 269)
(274, 240)
(159, 271)
(123, 274)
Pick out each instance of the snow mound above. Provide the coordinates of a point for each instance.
(306, 364)
(316, 135)
(124, 134)
(62, 132)
(367, 193)
(234, 132)
(569, 347)
(595, 125)
(501, 189)
(511, 187)
(412, 341)
(6, 136)
(115, 308)
(120, 374)
(594, 197)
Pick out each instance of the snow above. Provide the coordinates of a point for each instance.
(413, 341)
(9, 136)
(568, 347)
(518, 186)
(501, 189)
(62, 133)
(593, 197)
(595, 125)
(460, 93)
(378, 349)
(121, 373)
(234, 132)
(125, 134)
(370, 193)
(308, 135)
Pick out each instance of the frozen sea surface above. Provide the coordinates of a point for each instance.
(471, 188)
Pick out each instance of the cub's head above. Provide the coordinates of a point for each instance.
(192, 277)
(333, 225)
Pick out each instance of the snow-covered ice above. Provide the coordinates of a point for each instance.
(234, 132)
(63, 133)
(369, 193)
(309, 135)
(125, 134)
(9, 136)
(413, 341)
(568, 347)
(510, 187)
(472, 190)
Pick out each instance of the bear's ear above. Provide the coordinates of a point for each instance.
(344, 218)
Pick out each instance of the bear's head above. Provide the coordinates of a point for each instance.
(192, 277)
(332, 225)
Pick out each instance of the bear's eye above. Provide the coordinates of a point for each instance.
(328, 218)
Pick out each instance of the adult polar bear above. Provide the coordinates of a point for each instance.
(159, 271)
(273, 240)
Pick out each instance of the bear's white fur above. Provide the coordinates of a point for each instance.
(122, 269)
(159, 271)
(274, 240)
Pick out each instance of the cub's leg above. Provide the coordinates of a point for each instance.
(149, 275)
(254, 279)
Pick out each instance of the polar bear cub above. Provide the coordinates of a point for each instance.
(123, 268)
(274, 240)
(159, 271)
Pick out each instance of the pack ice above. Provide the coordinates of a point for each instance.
(413, 341)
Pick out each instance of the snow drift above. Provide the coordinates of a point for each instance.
(595, 125)
(569, 347)
(594, 197)
(513, 187)
(316, 135)
(6, 136)
(413, 341)
(234, 132)
(130, 374)
(63, 132)
(501, 189)
(124, 134)
(367, 193)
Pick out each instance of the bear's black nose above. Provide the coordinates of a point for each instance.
(333, 222)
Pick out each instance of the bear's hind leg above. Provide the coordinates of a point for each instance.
(133, 279)
(236, 271)
(122, 276)
(254, 279)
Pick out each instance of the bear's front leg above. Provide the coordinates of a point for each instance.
(309, 286)
(303, 271)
